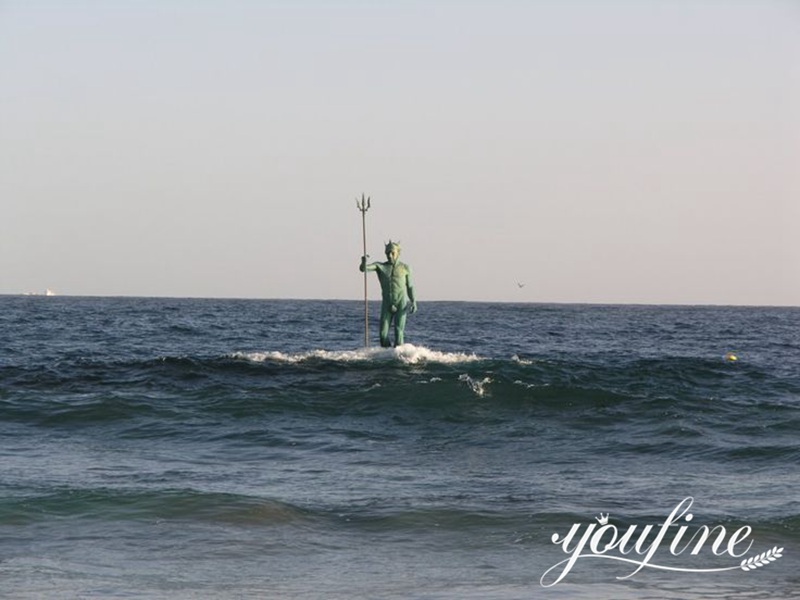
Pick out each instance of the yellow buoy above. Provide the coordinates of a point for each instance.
(731, 357)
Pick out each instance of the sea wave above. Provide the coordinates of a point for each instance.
(176, 504)
(407, 354)
(676, 400)
(523, 519)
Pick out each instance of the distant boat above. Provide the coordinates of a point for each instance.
(49, 292)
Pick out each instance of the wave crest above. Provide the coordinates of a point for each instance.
(407, 354)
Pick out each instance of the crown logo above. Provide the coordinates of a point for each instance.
(603, 518)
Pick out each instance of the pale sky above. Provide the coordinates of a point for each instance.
(597, 151)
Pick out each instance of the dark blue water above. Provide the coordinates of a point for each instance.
(159, 448)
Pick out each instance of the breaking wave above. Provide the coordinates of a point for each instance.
(407, 353)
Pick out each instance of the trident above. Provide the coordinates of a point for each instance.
(363, 205)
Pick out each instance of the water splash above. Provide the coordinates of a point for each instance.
(407, 353)
(479, 387)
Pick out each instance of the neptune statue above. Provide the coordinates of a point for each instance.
(397, 293)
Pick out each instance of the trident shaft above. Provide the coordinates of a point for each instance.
(364, 205)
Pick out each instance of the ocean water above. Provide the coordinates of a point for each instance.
(177, 448)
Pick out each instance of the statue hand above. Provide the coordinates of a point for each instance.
(413, 307)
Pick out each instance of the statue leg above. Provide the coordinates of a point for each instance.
(386, 321)
(400, 327)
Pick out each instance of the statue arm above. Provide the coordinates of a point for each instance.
(411, 294)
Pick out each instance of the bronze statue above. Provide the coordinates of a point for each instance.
(397, 292)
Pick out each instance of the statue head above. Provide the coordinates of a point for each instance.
(392, 251)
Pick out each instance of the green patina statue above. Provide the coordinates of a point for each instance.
(398, 298)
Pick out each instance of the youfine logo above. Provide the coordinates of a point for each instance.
(646, 547)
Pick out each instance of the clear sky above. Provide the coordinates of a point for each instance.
(596, 151)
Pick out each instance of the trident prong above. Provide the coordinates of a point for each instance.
(364, 204)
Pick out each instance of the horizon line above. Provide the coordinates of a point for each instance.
(377, 300)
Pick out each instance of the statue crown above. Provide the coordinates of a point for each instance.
(391, 245)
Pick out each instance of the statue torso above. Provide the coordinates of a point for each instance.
(393, 280)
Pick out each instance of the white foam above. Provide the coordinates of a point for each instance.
(407, 353)
(411, 354)
(521, 361)
(479, 387)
